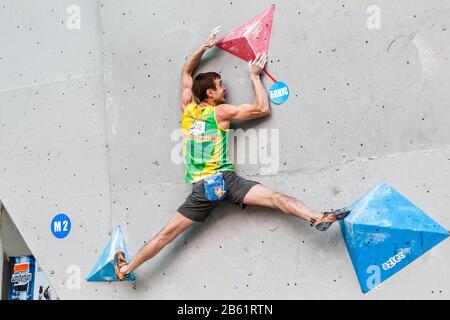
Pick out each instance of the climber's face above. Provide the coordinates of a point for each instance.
(217, 96)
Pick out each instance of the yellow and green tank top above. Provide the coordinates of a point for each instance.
(205, 143)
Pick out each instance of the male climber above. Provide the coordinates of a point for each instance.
(205, 128)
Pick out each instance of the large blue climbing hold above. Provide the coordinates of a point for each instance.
(104, 268)
(385, 232)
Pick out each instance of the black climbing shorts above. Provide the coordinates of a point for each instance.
(197, 207)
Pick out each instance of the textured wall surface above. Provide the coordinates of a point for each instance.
(11, 243)
(87, 118)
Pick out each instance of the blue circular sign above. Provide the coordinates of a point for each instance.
(61, 226)
(279, 93)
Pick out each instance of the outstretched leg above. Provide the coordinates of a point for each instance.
(260, 195)
(177, 224)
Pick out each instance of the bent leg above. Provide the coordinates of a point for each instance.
(260, 195)
(176, 225)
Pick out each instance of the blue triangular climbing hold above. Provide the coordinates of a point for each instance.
(385, 232)
(104, 267)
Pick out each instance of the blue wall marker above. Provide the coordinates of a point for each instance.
(61, 226)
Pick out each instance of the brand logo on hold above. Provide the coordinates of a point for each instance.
(279, 93)
(394, 260)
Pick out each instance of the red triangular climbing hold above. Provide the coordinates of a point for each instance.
(251, 38)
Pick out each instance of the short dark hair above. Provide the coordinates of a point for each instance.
(203, 82)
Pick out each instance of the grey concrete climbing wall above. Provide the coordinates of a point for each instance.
(89, 107)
